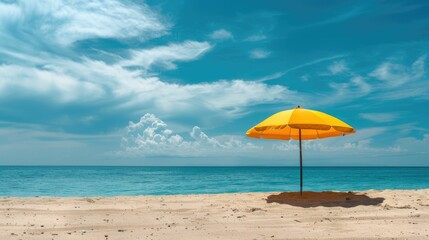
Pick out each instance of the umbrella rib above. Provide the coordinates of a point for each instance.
(262, 134)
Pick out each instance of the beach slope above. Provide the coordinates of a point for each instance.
(397, 214)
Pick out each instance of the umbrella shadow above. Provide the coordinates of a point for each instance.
(324, 199)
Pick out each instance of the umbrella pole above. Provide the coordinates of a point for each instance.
(300, 161)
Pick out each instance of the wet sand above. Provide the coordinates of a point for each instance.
(398, 214)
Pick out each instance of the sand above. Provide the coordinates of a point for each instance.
(329, 215)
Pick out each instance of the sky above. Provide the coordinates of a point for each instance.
(179, 83)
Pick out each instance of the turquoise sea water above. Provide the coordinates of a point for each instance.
(110, 181)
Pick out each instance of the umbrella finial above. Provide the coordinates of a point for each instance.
(298, 106)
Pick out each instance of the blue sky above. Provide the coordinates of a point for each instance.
(180, 82)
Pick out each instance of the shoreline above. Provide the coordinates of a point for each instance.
(211, 194)
(372, 214)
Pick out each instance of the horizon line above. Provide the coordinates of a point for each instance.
(232, 166)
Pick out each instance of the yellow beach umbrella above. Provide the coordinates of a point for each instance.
(300, 124)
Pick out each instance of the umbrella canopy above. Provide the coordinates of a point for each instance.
(300, 124)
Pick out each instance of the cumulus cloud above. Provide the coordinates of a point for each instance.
(221, 34)
(151, 137)
(259, 53)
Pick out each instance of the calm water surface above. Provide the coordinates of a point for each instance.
(110, 181)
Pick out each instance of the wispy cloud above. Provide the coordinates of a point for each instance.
(273, 76)
(359, 143)
(25, 82)
(165, 56)
(356, 87)
(304, 78)
(398, 81)
(65, 22)
(225, 99)
(128, 81)
(394, 75)
(259, 53)
(343, 16)
(337, 67)
(221, 34)
(416, 145)
(98, 85)
(256, 38)
(379, 117)
(389, 81)
(319, 60)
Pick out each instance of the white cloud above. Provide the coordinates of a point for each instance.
(341, 17)
(221, 34)
(151, 137)
(389, 81)
(304, 78)
(259, 53)
(337, 67)
(416, 146)
(395, 75)
(314, 62)
(63, 76)
(255, 38)
(397, 81)
(44, 65)
(65, 22)
(17, 81)
(270, 77)
(345, 91)
(96, 82)
(165, 56)
(359, 143)
(379, 117)
(224, 99)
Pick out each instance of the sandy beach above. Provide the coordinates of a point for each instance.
(398, 214)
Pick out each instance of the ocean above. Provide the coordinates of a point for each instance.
(132, 181)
